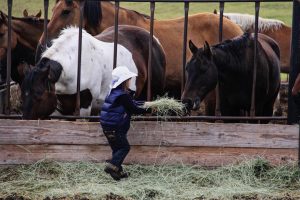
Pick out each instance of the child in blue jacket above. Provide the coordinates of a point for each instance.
(115, 119)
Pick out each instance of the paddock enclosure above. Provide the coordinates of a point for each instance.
(156, 140)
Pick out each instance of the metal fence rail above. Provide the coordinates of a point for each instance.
(295, 48)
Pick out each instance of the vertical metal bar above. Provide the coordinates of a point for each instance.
(149, 72)
(293, 108)
(217, 109)
(8, 72)
(46, 6)
(77, 108)
(186, 21)
(117, 6)
(252, 109)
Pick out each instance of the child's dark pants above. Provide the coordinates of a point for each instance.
(117, 139)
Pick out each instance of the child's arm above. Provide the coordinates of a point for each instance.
(131, 106)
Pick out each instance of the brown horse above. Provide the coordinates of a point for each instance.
(26, 32)
(296, 87)
(100, 15)
(275, 29)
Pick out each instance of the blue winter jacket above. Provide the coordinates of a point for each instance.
(113, 114)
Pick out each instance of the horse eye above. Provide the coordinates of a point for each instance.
(65, 12)
(1, 34)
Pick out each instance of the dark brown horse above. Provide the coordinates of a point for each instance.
(26, 32)
(273, 28)
(231, 64)
(42, 95)
(296, 87)
(100, 15)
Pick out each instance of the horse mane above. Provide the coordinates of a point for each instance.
(247, 22)
(138, 13)
(235, 47)
(65, 36)
(236, 43)
(93, 12)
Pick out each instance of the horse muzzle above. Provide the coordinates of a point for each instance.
(196, 104)
(190, 104)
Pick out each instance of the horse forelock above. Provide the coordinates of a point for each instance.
(247, 22)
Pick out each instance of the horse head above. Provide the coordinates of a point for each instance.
(202, 76)
(67, 13)
(37, 16)
(38, 89)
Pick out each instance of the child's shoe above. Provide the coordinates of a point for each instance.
(113, 171)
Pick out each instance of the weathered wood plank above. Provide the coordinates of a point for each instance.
(197, 134)
(204, 156)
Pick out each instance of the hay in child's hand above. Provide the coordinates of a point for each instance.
(165, 106)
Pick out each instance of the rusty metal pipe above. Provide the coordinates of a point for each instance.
(46, 6)
(218, 109)
(77, 108)
(149, 79)
(8, 72)
(117, 7)
(185, 32)
(252, 109)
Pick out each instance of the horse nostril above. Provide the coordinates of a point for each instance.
(188, 103)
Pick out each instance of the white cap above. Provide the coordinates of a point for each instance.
(121, 74)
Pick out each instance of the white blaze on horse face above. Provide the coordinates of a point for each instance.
(96, 63)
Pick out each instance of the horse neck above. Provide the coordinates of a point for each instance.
(126, 16)
(222, 65)
(28, 32)
(227, 62)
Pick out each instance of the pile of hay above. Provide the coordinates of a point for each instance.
(165, 106)
(254, 179)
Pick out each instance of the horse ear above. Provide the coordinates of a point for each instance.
(39, 14)
(3, 17)
(207, 50)
(25, 13)
(215, 11)
(192, 47)
(55, 71)
(24, 69)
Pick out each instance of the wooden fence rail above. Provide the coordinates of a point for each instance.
(206, 144)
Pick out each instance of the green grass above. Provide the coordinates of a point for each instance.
(254, 179)
(281, 11)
